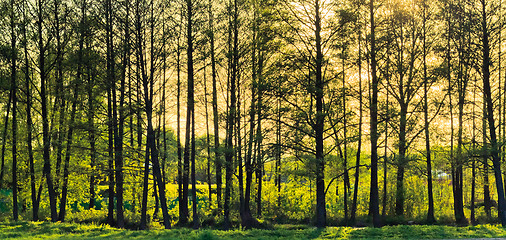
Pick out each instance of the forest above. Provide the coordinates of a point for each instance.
(150, 114)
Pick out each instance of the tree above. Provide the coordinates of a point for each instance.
(45, 121)
(430, 211)
(374, 198)
(14, 89)
(485, 32)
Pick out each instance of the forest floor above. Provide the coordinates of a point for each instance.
(45, 230)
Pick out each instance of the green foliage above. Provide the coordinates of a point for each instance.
(40, 230)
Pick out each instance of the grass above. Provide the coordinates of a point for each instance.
(46, 230)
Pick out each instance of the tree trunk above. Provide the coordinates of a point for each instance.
(430, 211)
(217, 159)
(91, 132)
(183, 206)
(374, 202)
(486, 184)
(321, 213)
(208, 144)
(14, 89)
(144, 79)
(359, 142)
(191, 112)
(119, 120)
(111, 85)
(60, 96)
(473, 163)
(232, 111)
(64, 190)
(77, 83)
(29, 124)
(46, 139)
(490, 116)
(259, 161)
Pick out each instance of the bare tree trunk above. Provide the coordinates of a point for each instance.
(91, 131)
(208, 143)
(29, 124)
(259, 161)
(46, 139)
(430, 211)
(60, 96)
(183, 211)
(4, 139)
(119, 120)
(231, 117)
(374, 123)
(359, 142)
(490, 116)
(14, 89)
(217, 160)
(486, 184)
(346, 177)
(385, 161)
(321, 213)
(77, 83)
(111, 87)
(473, 173)
(142, 77)
(64, 190)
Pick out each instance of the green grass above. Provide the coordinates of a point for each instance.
(45, 230)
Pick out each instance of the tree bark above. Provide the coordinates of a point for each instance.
(321, 213)
(29, 124)
(46, 139)
(374, 202)
(490, 115)
(217, 152)
(14, 89)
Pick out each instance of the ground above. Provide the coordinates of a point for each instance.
(45, 230)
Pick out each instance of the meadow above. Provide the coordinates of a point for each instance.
(46, 230)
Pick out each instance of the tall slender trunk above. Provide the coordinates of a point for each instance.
(164, 109)
(385, 161)
(64, 190)
(14, 89)
(258, 142)
(111, 88)
(60, 96)
(346, 178)
(196, 221)
(217, 153)
(77, 83)
(473, 163)
(249, 152)
(29, 124)
(119, 120)
(142, 78)
(359, 142)
(238, 152)
(208, 144)
(374, 202)
(91, 136)
(459, 161)
(490, 115)
(183, 206)
(231, 117)
(278, 151)
(430, 211)
(321, 213)
(4, 139)
(46, 139)
(486, 184)
(189, 111)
